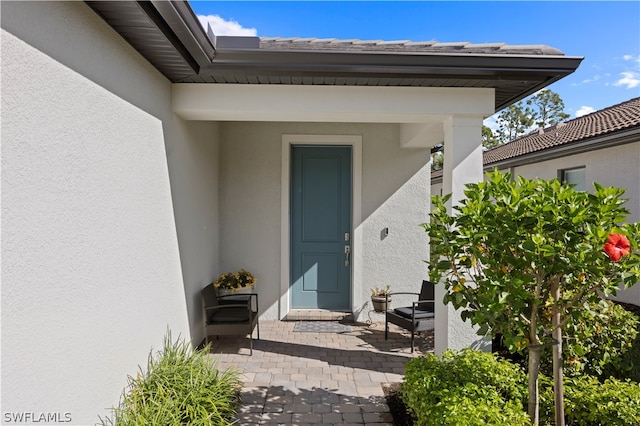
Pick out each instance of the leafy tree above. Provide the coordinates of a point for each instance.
(543, 109)
(514, 121)
(488, 138)
(524, 258)
(549, 108)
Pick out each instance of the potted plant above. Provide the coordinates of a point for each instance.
(380, 297)
(241, 281)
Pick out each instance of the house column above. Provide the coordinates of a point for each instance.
(462, 165)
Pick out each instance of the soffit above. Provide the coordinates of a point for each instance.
(168, 34)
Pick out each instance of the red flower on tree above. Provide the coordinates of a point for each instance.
(617, 246)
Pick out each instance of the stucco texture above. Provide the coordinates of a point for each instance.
(93, 161)
(116, 211)
(394, 195)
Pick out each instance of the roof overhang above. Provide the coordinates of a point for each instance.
(513, 77)
(166, 33)
(608, 140)
(621, 137)
(169, 35)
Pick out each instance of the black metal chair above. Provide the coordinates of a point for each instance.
(232, 315)
(415, 318)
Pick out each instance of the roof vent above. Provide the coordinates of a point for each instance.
(232, 42)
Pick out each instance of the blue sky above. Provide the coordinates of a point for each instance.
(606, 34)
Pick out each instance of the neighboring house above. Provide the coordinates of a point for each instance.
(602, 147)
(142, 157)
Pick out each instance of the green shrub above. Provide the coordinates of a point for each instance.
(465, 388)
(180, 386)
(587, 402)
(597, 341)
(476, 388)
(628, 364)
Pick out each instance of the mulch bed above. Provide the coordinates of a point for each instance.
(397, 407)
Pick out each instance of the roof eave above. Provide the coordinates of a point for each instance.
(186, 26)
(620, 137)
(166, 33)
(445, 64)
(183, 52)
(538, 71)
(552, 79)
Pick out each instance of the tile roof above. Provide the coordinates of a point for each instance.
(437, 174)
(621, 117)
(618, 117)
(352, 45)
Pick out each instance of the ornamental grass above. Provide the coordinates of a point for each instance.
(179, 386)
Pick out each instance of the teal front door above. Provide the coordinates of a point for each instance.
(321, 227)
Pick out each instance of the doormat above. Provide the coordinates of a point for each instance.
(321, 327)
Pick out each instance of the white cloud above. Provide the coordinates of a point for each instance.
(629, 80)
(222, 27)
(626, 74)
(584, 110)
(491, 123)
(591, 80)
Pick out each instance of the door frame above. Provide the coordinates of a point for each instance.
(355, 141)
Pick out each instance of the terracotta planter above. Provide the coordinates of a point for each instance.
(380, 303)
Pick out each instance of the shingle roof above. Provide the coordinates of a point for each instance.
(618, 117)
(294, 43)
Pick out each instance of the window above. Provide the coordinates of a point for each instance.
(577, 177)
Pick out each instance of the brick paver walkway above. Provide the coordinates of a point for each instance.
(310, 378)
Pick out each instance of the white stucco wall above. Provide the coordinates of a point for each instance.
(93, 161)
(394, 195)
(193, 159)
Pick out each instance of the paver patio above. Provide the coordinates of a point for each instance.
(309, 378)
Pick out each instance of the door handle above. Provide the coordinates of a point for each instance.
(347, 255)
